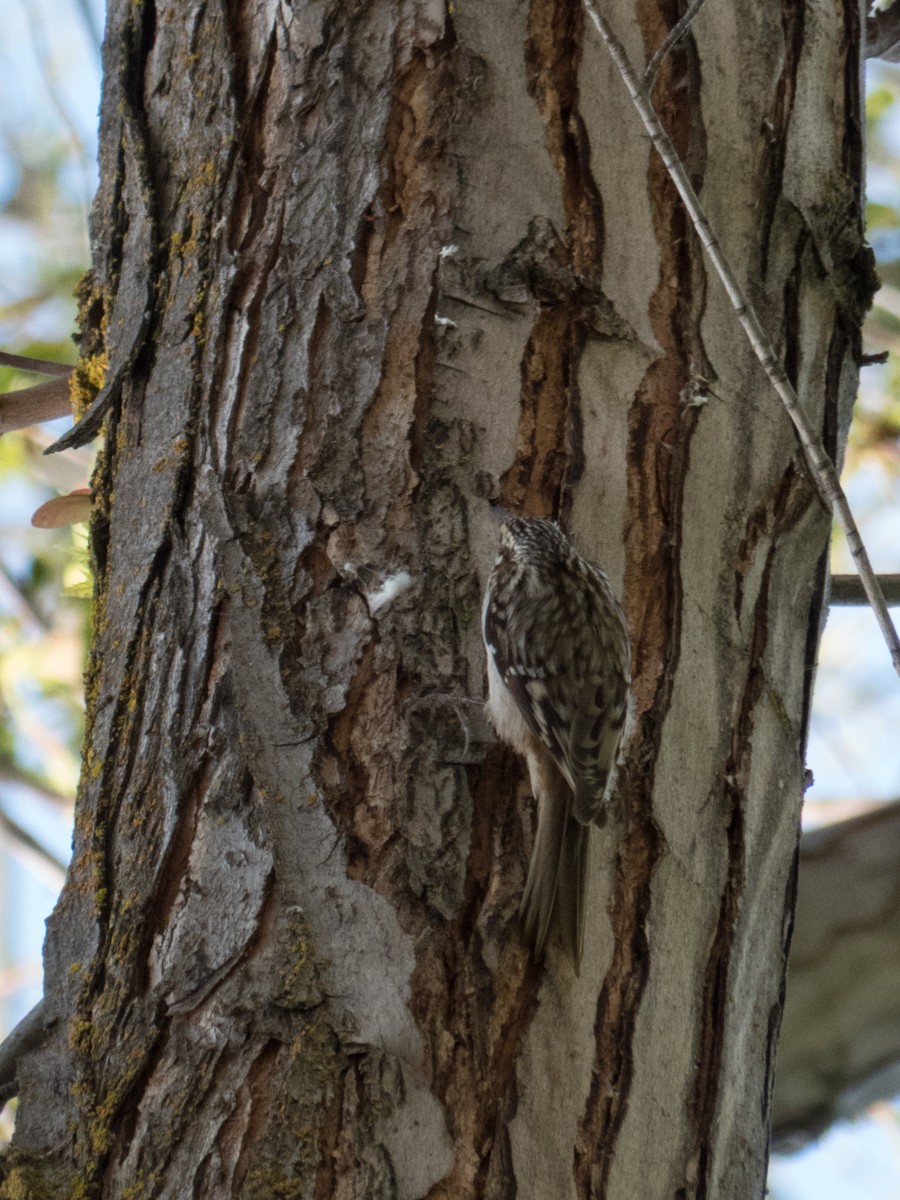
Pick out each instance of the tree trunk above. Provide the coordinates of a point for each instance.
(361, 269)
(840, 1042)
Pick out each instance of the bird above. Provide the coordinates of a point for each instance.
(558, 666)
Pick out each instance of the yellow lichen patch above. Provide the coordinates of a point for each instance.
(15, 1187)
(81, 1032)
(206, 173)
(86, 380)
(184, 245)
(197, 328)
(89, 373)
(297, 962)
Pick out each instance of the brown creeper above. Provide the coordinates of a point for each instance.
(558, 675)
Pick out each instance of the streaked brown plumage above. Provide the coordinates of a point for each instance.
(558, 676)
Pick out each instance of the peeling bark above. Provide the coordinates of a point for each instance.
(359, 270)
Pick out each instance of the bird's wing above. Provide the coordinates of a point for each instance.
(593, 746)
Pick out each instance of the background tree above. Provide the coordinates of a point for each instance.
(360, 272)
(840, 1045)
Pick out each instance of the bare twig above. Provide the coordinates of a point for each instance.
(54, 93)
(820, 465)
(11, 772)
(28, 1036)
(90, 24)
(848, 589)
(674, 36)
(20, 836)
(883, 33)
(40, 366)
(15, 598)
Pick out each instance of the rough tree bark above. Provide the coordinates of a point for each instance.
(359, 269)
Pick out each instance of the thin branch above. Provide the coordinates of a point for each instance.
(28, 1036)
(90, 24)
(883, 33)
(11, 772)
(848, 589)
(19, 835)
(40, 366)
(25, 611)
(35, 22)
(64, 510)
(676, 33)
(820, 465)
(28, 406)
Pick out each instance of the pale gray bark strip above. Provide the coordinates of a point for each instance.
(819, 463)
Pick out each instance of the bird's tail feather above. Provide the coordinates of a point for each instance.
(553, 902)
